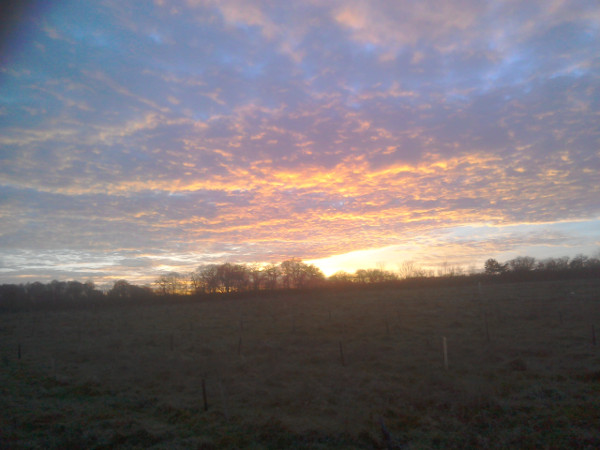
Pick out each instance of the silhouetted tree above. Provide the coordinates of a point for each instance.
(74, 291)
(553, 264)
(271, 276)
(12, 296)
(172, 283)
(297, 274)
(578, 262)
(90, 289)
(57, 289)
(361, 276)
(207, 278)
(311, 276)
(121, 290)
(341, 277)
(409, 269)
(38, 292)
(379, 276)
(232, 277)
(290, 273)
(196, 282)
(493, 267)
(592, 263)
(522, 264)
(256, 276)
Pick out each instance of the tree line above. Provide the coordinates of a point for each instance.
(228, 277)
(523, 264)
(212, 280)
(39, 295)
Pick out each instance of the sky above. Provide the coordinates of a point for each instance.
(139, 138)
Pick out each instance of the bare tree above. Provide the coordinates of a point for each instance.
(493, 267)
(232, 277)
(578, 262)
(271, 276)
(407, 269)
(553, 264)
(297, 274)
(341, 277)
(361, 275)
(121, 290)
(256, 276)
(522, 264)
(172, 283)
(206, 278)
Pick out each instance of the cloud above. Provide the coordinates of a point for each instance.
(259, 131)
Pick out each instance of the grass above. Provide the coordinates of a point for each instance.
(131, 376)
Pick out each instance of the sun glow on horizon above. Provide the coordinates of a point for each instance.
(466, 247)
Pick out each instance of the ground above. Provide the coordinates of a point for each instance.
(355, 368)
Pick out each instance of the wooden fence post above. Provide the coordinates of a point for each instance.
(204, 394)
(445, 347)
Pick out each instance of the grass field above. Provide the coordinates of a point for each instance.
(322, 370)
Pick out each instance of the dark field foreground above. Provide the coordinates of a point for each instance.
(321, 370)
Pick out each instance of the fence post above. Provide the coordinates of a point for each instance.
(204, 394)
(445, 347)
